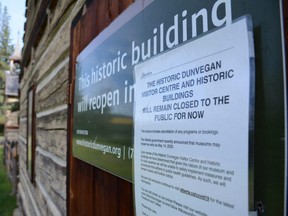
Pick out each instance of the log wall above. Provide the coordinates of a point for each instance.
(45, 65)
(55, 33)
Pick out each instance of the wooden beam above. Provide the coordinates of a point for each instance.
(36, 27)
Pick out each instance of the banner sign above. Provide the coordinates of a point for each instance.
(192, 126)
(104, 84)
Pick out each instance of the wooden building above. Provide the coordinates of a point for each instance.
(42, 188)
(54, 182)
(44, 104)
(11, 126)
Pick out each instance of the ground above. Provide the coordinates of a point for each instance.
(7, 200)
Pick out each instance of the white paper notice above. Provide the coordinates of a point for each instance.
(192, 127)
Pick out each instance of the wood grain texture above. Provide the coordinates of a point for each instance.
(93, 191)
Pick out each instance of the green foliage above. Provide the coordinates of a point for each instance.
(3, 66)
(15, 106)
(6, 50)
(5, 41)
(7, 201)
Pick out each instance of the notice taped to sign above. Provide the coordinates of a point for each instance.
(191, 125)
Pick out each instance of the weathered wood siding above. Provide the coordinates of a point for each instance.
(45, 65)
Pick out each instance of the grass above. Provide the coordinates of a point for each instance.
(7, 201)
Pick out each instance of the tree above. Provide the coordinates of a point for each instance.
(6, 48)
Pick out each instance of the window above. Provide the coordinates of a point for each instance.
(31, 133)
